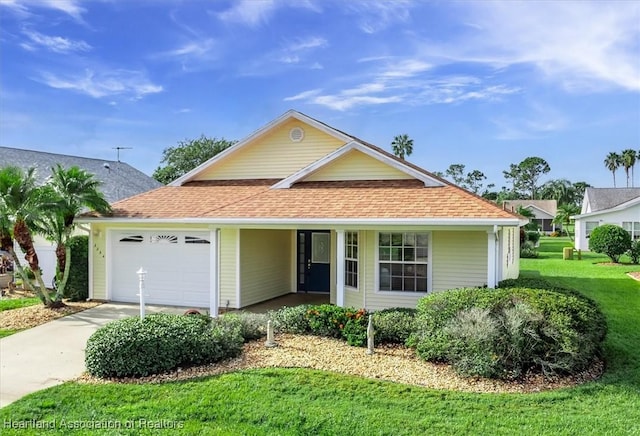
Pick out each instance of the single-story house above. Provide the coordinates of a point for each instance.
(118, 180)
(619, 206)
(299, 206)
(544, 211)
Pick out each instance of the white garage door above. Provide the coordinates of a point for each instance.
(177, 264)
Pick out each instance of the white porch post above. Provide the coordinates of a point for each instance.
(491, 258)
(340, 268)
(214, 293)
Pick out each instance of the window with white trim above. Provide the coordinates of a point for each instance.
(589, 226)
(402, 261)
(633, 227)
(351, 259)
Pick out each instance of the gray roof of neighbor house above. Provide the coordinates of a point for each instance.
(606, 198)
(549, 206)
(119, 180)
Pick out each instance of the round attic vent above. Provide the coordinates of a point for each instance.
(296, 134)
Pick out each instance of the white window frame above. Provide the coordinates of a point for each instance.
(633, 229)
(429, 263)
(587, 231)
(348, 258)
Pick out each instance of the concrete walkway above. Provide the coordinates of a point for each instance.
(52, 353)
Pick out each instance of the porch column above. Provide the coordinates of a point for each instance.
(214, 279)
(340, 268)
(491, 257)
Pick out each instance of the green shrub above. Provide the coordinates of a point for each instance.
(393, 325)
(252, 325)
(528, 250)
(339, 322)
(552, 332)
(134, 347)
(634, 251)
(610, 240)
(77, 288)
(290, 319)
(534, 237)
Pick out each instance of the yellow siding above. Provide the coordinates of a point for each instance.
(333, 293)
(510, 240)
(356, 165)
(274, 156)
(459, 259)
(228, 269)
(99, 266)
(265, 265)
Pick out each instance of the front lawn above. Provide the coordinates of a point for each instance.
(296, 401)
(16, 303)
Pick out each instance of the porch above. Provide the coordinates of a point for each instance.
(289, 300)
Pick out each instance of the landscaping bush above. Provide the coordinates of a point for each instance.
(134, 347)
(252, 325)
(611, 240)
(506, 332)
(290, 319)
(77, 288)
(339, 322)
(534, 237)
(393, 326)
(528, 250)
(634, 252)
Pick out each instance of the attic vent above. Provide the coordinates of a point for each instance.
(296, 134)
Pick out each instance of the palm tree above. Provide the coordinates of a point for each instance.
(560, 190)
(563, 216)
(65, 194)
(19, 197)
(402, 146)
(613, 162)
(628, 160)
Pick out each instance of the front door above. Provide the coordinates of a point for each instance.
(314, 260)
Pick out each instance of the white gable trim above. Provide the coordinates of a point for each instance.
(291, 114)
(354, 145)
(539, 209)
(623, 206)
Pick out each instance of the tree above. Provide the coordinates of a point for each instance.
(456, 173)
(527, 213)
(473, 181)
(563, 217)
(628, 160)
(526, 174)
(613, 162)
(560, 190)
(611, 240)
(66, 193)
(402, 146)
(187, 155)
(20, 199)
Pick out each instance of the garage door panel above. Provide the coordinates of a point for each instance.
(178, 269)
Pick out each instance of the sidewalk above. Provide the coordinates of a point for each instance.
(52, 353)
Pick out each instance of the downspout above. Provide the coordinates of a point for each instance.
(364, 270)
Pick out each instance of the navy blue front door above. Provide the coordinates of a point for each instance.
(314, 260)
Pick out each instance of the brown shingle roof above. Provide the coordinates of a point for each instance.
(398, 199)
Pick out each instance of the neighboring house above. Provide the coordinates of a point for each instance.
(619, 206)
(544, 212)
(299, 206)
(119, 180)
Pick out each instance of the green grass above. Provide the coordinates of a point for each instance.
(302, 402)
(16, 303)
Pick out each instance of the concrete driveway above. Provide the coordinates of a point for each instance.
(52, 353)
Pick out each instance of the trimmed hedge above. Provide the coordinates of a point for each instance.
(134, 347)
(505, 332)
(77, 288)
(394, 325)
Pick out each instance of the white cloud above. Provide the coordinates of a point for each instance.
(295, 52)
(539, 121)
(129, 84)
(374, 16)
(253, 13)
(584, 46)
(24, 7)
(57, 44)
(343, 102)
(304, 95)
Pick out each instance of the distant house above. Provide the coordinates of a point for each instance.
(119, 180)
(619, 206)
(299, 206)
(543, 210)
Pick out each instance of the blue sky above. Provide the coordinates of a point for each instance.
(480, 83)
